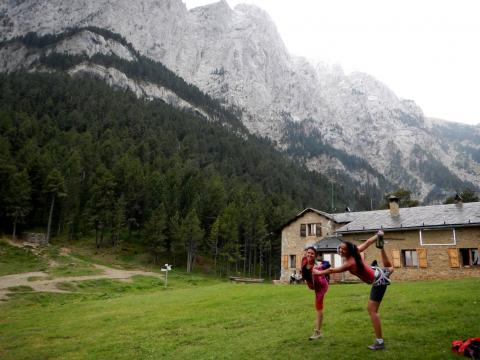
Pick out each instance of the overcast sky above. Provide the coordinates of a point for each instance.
(424, 50)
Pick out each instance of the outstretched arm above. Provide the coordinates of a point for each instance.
(370, 241)
(340, 269)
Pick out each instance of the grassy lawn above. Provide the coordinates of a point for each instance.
(14, 260)
(201, 318)
(69, 265)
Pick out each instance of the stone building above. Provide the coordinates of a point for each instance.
(425, 242)
(308, 228)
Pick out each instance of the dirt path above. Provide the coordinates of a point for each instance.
(50, 285)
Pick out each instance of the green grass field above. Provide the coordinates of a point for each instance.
(199, 317)
(13, 259)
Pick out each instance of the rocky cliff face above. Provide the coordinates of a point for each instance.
(236, 55)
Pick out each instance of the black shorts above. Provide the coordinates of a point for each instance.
(377, 292)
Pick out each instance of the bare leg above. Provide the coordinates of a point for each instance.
(373, 312)
(370, 241)
(386, 261)
(319, 320)
(318, 325)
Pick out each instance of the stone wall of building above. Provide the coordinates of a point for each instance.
(294, 244)
(437, 245)
(438, 261)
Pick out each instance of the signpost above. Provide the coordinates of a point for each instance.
(167, 268)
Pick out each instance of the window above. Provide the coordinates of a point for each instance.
(409, 258)
(335, 260)
(303, 230)
(310, 230)
(292, 261)
(469, 257)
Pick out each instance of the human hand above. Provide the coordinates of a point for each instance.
(379, 243)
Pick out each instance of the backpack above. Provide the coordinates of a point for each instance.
(472, 350)
(469, 348)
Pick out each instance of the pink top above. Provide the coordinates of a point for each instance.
(366, 274)
(320, 283)
(316, 282)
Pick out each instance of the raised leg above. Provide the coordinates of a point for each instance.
(386, 261)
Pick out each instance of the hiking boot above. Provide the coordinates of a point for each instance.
(379, 243)
(377, 345)
(316, 335)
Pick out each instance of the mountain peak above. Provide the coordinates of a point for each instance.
(219, 8)
(237, 56)
(253, 11)
(216, 15)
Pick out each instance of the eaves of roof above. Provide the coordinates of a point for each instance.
(303, 212)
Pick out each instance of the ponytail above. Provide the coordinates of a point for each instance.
(353, 251)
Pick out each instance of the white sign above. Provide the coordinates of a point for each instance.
(166, 270)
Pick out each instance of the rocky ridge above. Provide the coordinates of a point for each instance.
(236, 55)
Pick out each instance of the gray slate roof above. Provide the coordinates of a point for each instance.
(303, 212)
(458, 215)
(330, 242)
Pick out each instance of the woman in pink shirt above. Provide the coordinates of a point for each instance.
(370, 274)
(318, 283)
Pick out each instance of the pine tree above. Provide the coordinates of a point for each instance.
(155, 233)
(118, 220)
(174, 236)
(466, 196)
(212, 243)
(192, 235)
(17, 200)
(228, 230)
(102, 202)
(55, 188)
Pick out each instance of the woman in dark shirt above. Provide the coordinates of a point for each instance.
(318, 283)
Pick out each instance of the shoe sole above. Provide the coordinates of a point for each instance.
(379, 244)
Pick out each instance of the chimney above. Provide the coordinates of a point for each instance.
(458, 199)
(394, 203)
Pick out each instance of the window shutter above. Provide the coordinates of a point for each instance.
(285, 262)
(453, 255)
(422, 257)
(396, 258)
(318, 229)
(298, 265)
(303, 230)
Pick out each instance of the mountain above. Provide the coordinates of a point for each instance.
(350, 127)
